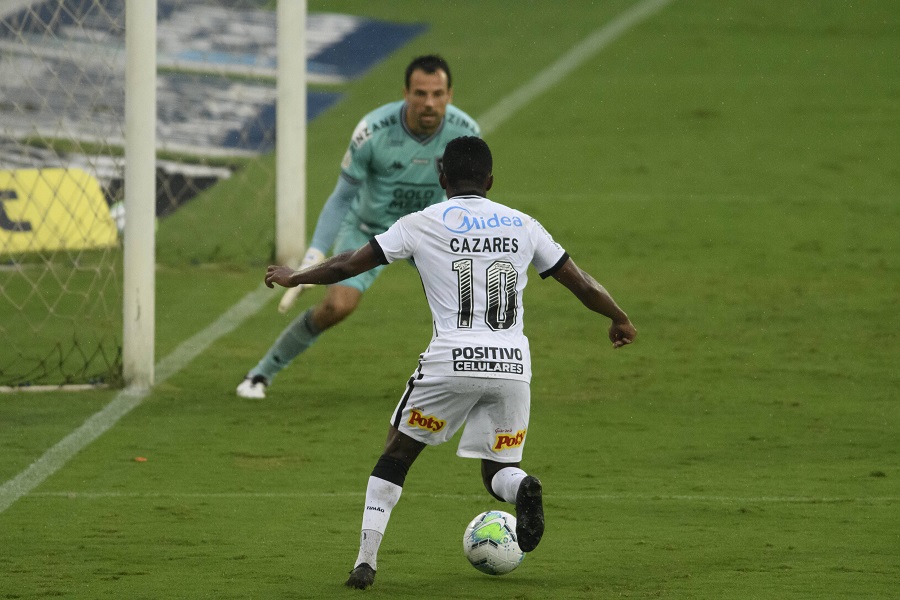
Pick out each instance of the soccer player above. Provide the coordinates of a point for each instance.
(472, 255)
(390, 170)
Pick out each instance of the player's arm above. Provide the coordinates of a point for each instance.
(327, 227)
(595, 297)
(334, 211)
(355, 168)
(337, 268)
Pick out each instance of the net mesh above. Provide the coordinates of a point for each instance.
(62, 134)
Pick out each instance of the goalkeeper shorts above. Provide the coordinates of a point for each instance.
(351, 237)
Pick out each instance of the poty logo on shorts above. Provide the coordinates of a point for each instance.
(429, 423)
(459, 219)
(507, 440)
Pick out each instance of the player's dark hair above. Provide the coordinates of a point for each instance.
(430, 63)
(467, 159)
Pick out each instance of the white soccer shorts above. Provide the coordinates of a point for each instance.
(494, 411)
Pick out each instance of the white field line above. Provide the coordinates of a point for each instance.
(563, 496)
(574, 58)
(128, 399)
(125, 401)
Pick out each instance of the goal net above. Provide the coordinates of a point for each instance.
(62, 124)
(60, 132)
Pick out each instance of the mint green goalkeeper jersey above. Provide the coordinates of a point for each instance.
(398, 171)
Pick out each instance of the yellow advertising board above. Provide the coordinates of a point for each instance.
(53, 209)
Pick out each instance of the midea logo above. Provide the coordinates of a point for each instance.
(460, 220)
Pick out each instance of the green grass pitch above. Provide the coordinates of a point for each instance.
(727, 169)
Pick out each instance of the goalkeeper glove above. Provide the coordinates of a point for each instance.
(313, 257)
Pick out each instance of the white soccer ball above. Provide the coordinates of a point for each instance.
(490, 543)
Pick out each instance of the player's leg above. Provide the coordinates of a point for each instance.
(495, 432)
(509, 483)
(429, 413)
(508, 477)
(382, 494)
(339, 302)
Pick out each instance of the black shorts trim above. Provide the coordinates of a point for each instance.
(409, 390)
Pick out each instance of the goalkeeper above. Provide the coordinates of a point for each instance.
(390, 170)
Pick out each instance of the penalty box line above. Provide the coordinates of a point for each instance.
(127, 400)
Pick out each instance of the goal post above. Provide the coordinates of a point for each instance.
(290, 138)
(139, 269)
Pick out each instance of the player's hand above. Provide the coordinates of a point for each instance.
(622, 334)
(279, 274)
(312, 257)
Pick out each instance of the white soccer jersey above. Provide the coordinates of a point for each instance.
(473, 255)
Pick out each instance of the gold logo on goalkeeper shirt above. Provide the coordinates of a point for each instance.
(429, 423)
(53, 209)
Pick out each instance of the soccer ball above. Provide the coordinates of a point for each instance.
(490, 543)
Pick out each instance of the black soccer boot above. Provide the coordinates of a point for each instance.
(362, 577)
(529, 513)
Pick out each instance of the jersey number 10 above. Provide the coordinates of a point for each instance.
(501, 294)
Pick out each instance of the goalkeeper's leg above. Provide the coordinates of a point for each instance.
(340, 301)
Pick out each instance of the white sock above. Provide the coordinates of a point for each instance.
(505, 482)
(369, 541)
(381, 497)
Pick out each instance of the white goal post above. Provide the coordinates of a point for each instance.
(290, 136)
(139, 270)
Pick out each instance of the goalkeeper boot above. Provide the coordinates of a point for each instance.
(529, 513)
(362, 577)
(253, 387)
